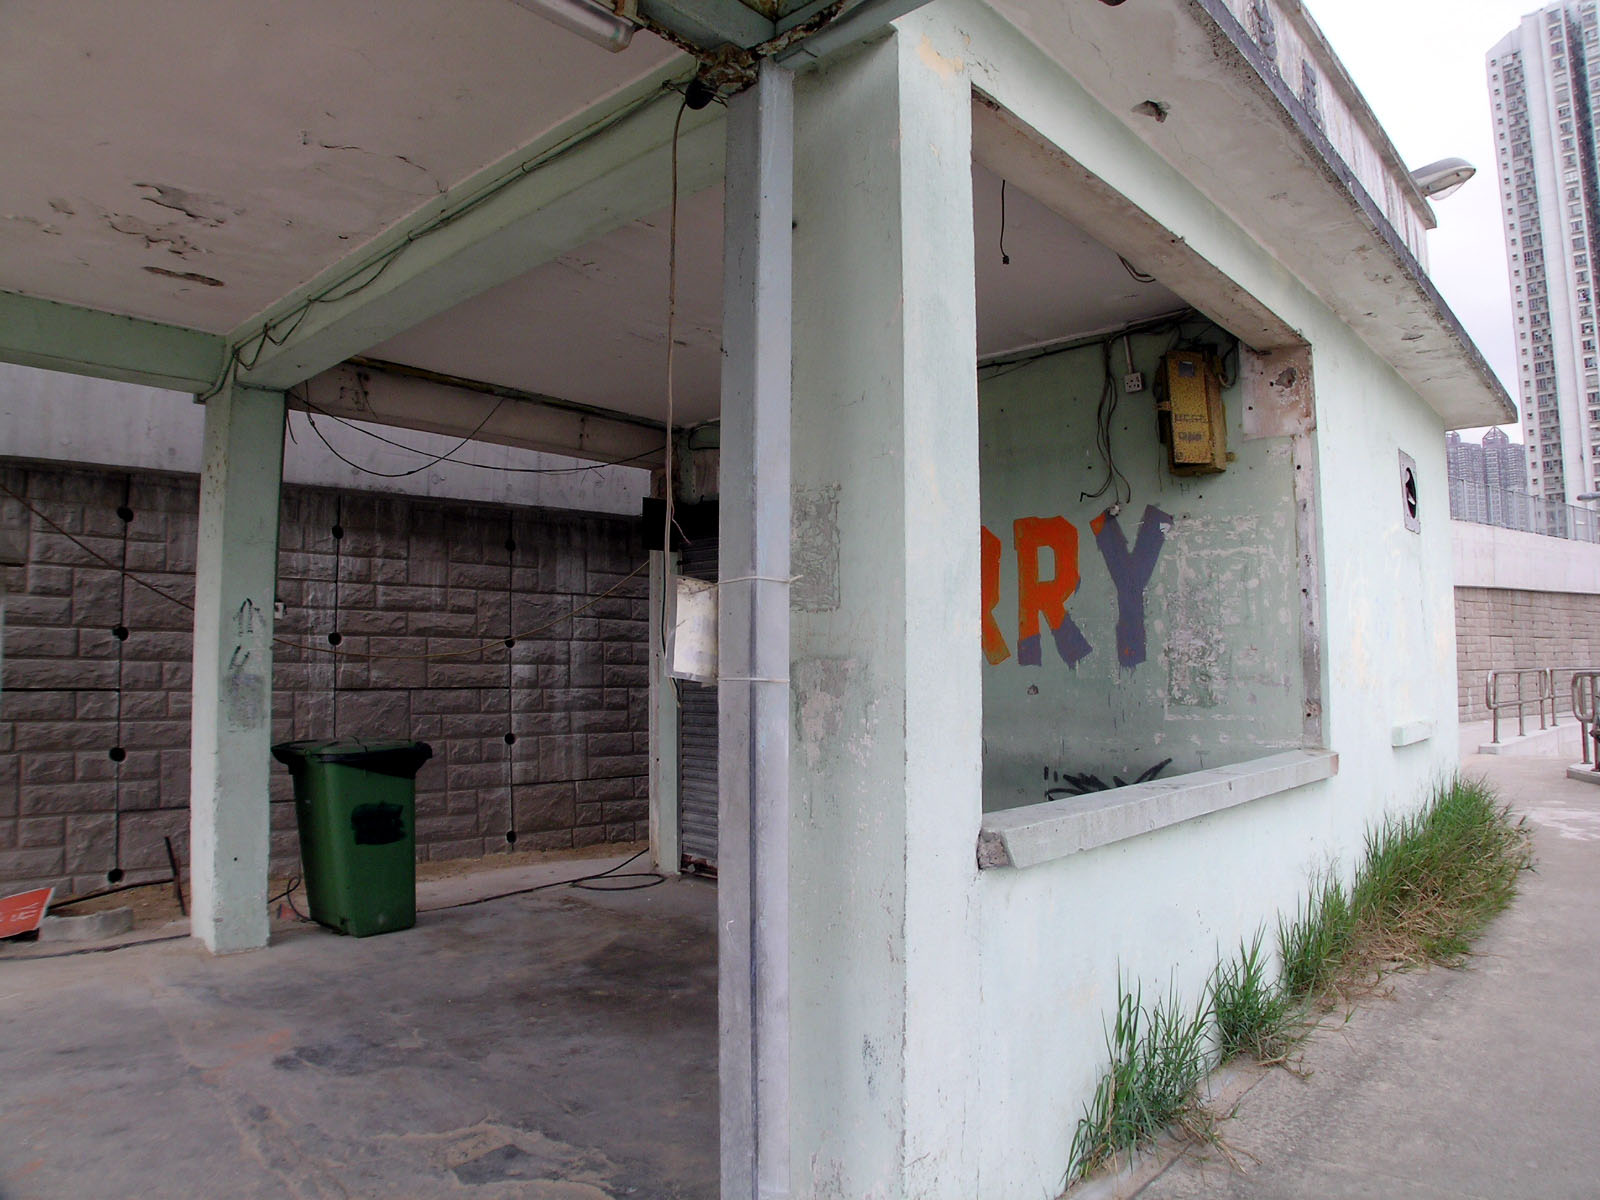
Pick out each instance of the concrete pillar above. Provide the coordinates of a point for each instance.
(236, 572)
(753, 643)
(886, 782)
(664, 848)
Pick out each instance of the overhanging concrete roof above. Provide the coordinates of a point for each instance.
(1233, 126)
(208, 200)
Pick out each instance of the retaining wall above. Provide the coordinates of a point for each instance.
(422, 586)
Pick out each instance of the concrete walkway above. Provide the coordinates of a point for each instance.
(559, 1045)
(1480, 1083)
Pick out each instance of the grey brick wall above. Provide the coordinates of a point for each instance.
(422, 586)
(1496, 629)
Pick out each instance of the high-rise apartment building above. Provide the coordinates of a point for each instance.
(1543, 80)
(1488, 483)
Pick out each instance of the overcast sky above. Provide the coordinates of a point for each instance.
(1420, 64)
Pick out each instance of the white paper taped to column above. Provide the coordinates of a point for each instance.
(693, 652)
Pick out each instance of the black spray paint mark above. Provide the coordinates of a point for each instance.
(1131, 571)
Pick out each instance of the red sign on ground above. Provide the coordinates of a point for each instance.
(23, 912)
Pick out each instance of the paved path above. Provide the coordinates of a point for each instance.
(1483, 1082)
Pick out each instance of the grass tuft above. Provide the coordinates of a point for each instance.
(1314, 947)
(1432, 881)
(1426, 887)
(1254, 1011)
(1159, 1057)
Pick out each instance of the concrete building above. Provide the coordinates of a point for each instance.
(1543, 81)
(933, 272)
(1487, 480)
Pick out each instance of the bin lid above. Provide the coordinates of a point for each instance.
(380, 757)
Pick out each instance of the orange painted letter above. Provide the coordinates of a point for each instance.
(994, 642)
(1035, 595)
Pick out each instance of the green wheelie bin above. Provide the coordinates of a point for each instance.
(355, 803)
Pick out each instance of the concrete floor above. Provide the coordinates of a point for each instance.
(554, 1046)
(1478, 1083)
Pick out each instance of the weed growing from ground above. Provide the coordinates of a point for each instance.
(1313, 947)
(1159, 1057)
(1431, 882)
(1255, 1013)
(1426, 887)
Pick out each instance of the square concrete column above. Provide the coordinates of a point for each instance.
(753, 642)
(236, 572)
(886, 779)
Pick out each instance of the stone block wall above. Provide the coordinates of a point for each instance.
(1498, 628)
(426, 595)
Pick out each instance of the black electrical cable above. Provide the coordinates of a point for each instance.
(1138, 275)
(433, 461)
(449, 457)
(1005, 259)
(294, 882)
(1115, 481)
(653, 877)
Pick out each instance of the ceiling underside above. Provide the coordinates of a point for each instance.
(590, 326)
(222, 154)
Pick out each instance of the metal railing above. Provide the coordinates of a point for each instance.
(1482, 505)
(1540, 680)
(1586, 707)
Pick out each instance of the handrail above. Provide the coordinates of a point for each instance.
(1543, 684)
(1586, 707)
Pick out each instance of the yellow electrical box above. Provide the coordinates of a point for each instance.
(1194, 424)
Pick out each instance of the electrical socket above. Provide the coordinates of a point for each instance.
(1133, 382)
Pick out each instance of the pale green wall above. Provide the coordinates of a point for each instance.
(1221, 679)
(948, 1024)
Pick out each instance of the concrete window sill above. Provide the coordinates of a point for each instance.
(1040, 833)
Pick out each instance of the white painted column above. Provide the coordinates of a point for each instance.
(664, 848)
(753, 643)
(886, 785)
(236, 571)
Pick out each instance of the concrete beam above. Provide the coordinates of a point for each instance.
(84, 341)
(236, 570)
(569, 189)
(709, 24)
(753, 642)
(395, 395)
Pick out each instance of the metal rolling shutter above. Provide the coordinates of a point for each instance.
(697, 740)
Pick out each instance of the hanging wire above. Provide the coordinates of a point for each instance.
(435, 460)
(1005, 259)
(1105, 412)
(667, 520)
(312, 647)
(449, 456)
